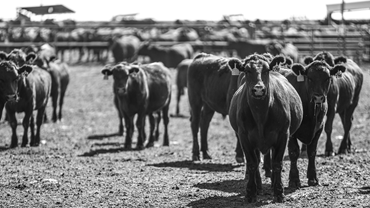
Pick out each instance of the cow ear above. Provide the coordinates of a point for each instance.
(107, 71)
(340, 59)
(337, 70)
(235, 66)
(277, 60)
(298, 69)
(3, 56)
(52, 58)
(268, 56)
(307, 60)
(288, 61)
(31, 57)
(133, 70)
(25, 69)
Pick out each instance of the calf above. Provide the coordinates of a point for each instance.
(26, 88)
(181, 81)
(264, 112)
(141, 90)
(343, 97)
(209, 91)
(170, 57)
(59, 76)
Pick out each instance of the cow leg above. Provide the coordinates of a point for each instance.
(129, 123)
(166, 120)
(54, 99)
(277, 166)
(195, 110)
(239, 152)
(13, 124)
(205, 119)
(32, 128)
(61, 100)
(39, 118)
(293, 149)
(179, 93)
(347, 118)
(267, 164)
(328, 130)
(151, 134)
(311, 151)
(158, 120)
(120, 117)
(26, 124)
(251, 168)
(140, 124)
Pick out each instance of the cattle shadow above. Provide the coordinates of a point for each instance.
(103, 149)
(191, 165)
(364, 190)
(103, 136)
(4, 148)
(265, 197)
(179, 116)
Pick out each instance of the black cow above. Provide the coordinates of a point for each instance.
(141, 90)
(343, 97)
(25, 88)
(170, 57)
(181, 81)
(124, 48)
(264, 112)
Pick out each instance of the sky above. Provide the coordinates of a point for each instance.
(168, 10)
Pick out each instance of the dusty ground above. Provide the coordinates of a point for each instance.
(82, 163)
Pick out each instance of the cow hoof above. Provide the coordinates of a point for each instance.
(267, 173)
(206, 156)
(150, 144)
(34, 144)
(13, 145)
(24, 145)
(343, 151)
(128, 147)
(250, 199)
(140, 147)
(196, 158)
(329, 153)
(295, 183)
(120, 133)
(303, 154)
(313, 182)
(279, 199)
(166, 144)
(239, 159)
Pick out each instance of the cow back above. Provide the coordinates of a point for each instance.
(125, 48)
(159, 85)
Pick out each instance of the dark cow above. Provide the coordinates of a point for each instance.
(141, 90)
(264, 112)
(124, 48)
(59, 74)
(25, 88)
(343, 97)
(312, 84)
(170, 57)
(208, 90)
(181, 81)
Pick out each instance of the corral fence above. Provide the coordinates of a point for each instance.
(350, 41)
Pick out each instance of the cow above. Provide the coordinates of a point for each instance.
(124, 48)
(264, 112)
(181, 81)
(208, 92)
(142, 90)
(26, 88)
(343, 97)
(59, 71)
(170, 57)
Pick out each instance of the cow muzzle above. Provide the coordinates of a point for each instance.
(121, 90)
(258, 91)
(318, 101)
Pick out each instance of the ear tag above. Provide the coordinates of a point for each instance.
(300, 77)
(105, 76)
(235, 71)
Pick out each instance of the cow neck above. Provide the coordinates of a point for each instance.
(233, 86)
(260, 109)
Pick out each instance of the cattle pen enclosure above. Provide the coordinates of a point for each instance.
(81, 162)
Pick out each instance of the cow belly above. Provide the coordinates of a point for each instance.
(265, 142)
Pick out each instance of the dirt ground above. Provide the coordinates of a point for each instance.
(82, 162)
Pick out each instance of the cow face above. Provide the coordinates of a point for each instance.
(9, 78)
(121, 74)
(318, 76)
(256, 72)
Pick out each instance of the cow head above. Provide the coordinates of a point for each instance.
(322, 56)
(18, 57)
(10, 75)
(318, 77)
(121, 73)
(257, 69)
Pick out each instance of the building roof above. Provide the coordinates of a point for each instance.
(51, 9)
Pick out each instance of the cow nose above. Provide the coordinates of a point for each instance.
(12, 97)
(258, 90)
(121, 90)
(318, 99)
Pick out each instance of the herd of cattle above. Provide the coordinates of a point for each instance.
(256, 88)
